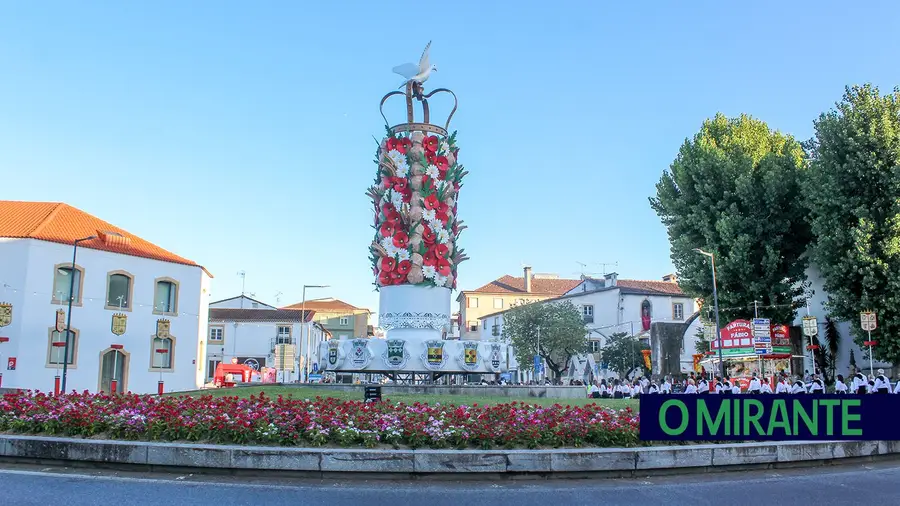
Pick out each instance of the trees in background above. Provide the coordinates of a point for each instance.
(853, 195)
(733, 190)
(622, 353)
(553, 330)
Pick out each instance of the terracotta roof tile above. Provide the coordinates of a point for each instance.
(258, 315)
(663, 287)
(61, 223)
(325, 306)
(540, 286)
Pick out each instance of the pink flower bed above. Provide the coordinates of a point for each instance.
(317, 422)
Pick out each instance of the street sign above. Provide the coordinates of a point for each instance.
(762, 330)
(60, 320)
(709, 332)
(315, 367)
(810, 326)
(868, 321)
(537, 364)
(761, 351)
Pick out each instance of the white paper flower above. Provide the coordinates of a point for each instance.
(440, 280)
(445, 147)
(429, 215)
(388, 244)
(443, 236)
(396, 156)
(402, 168)
(429, 272)
(402, 254)
(432, 172)
(397, 199)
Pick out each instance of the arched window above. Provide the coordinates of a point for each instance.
(64, 279)
(165, 299)
(119, 287)
(646, 314)
(56, 348)
(162, 353)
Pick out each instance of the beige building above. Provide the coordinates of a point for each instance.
(500, 294)
(342, 320)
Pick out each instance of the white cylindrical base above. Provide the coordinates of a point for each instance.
(414, 313)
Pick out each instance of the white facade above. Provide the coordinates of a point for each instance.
(252, 335)
(29, 276)
(611, 310)
(240, 302)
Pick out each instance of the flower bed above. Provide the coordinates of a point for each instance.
(319, 422)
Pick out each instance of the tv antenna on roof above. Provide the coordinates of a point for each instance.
(604, 264)
(278, 298)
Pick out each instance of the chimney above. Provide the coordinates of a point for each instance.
(670, 278)
(527, 279)
(611, 279)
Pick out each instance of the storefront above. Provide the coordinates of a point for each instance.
(739, 351)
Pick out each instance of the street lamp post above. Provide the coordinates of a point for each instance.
(65, 370)
(303, 317)
(712, 261)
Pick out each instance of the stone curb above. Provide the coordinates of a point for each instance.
(620, 461)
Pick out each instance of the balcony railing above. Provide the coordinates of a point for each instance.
(588, 318)
(275, 341)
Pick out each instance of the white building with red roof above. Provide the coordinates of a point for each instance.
(139, 312)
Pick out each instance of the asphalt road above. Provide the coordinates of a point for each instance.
(877, 483)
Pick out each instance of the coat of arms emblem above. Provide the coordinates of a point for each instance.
(396, 354)
(495, 359)
(469, 358)
(361, 355)
(434, 357)
(162, 328)
(119, 323)
(334, 354)
(5, 314)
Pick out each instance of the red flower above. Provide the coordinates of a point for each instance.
(429, 258)
(441, 250)
(403, 267)
(387, 229)
(404, 146)
(430, 143)
(427, 183)
(388, 208)
(388, 264)
(442, 215)
(401, 240)
(443, 266)
(397, 278)
(442, 164)
(400, 184)
(429, 157)
(391, 143)
(393, 217)
(384, 278)
(429, 236)
(431, 202)
(387, 182)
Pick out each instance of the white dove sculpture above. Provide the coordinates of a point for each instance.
(418, 73)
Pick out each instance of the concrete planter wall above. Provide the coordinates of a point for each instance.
(550, 392)
(613, 462)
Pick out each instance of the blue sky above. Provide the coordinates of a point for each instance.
(239, 134)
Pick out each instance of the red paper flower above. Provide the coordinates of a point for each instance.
(404, 146)
(441, 250)
(430, 143)
(429, 258)
(388, 264)
(400, 184)
(387, 182)
(401, 240)
(384, 278)
(443, 266)
(429, 157)
(429, 236)
(397, 278)
(442, 216)
(431, 202)
(403, 267)
(442, 164)
(391, 143)
(388, 208)
(393, 217)
(387, 229)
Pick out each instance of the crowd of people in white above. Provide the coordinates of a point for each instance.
(858, 384)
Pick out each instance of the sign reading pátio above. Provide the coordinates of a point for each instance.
(768, 417)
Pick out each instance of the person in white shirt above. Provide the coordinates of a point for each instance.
(636, 390)
(816, 387)
(717, 387)
(755, 387)
(798, 387)
(691, 388)
(727, 387)
(839, 386)
(666, 387)
(882, 384)
(897, 388)
(735, 388)
(703, 386)
(645, 385)
(653, 389)
(594, 391)
(765, 388)
(860, 385)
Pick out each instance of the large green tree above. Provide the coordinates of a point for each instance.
(853, 193)
(623, 355)
(553, 330)
(734, 191)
